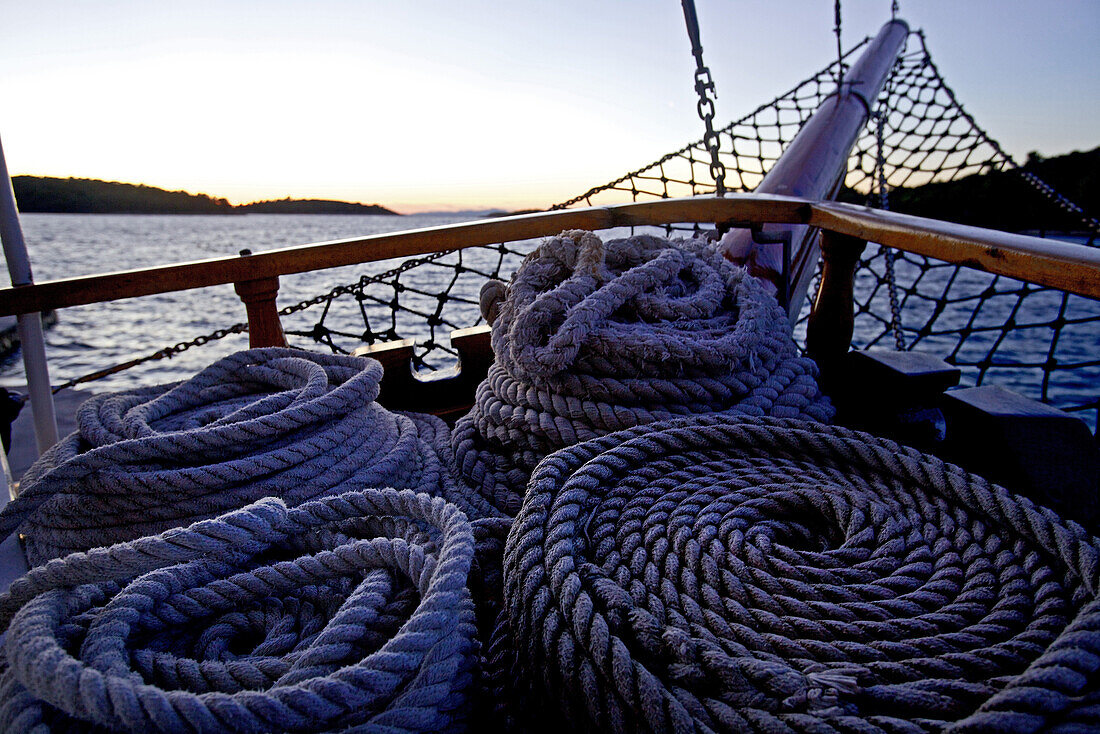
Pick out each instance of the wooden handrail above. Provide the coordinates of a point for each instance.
(320, 256)
(1066, 266)
(1062, 265)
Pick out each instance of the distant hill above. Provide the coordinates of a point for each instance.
(516, 213)
(311, 206)
(464, 213)
(997, 199)
(1003, 199)
(92, 196)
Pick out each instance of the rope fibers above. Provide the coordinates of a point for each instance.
(723, 574)
(593, 337)
(346, 613)
(263, 422)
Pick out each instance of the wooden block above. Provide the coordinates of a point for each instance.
(475, 351)
(390, 354)
(912, 376)
(1029, 447)
(893, 394)
(447, 393)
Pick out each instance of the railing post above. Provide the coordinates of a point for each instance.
(829, 331)
(264, 328)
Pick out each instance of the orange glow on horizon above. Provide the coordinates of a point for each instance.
(472, 199)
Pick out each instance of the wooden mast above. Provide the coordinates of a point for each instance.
(815, 163)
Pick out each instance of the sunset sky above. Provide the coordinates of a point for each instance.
(435, 104)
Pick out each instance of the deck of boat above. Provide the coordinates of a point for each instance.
(23, 452)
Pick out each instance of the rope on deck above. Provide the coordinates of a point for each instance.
(720, 574)
(593, 337)
(344, 612)
(263, 422)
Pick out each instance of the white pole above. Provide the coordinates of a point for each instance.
(31, 339)
(13, 563)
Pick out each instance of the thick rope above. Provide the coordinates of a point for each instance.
(593, 337)
(347, 613)
(722, 574)
(264, 422)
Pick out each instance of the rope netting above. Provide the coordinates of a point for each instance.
(1038, 341)
(1035, 340)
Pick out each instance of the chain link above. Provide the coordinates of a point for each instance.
(165, 353)
(839, 50)
(357, 288)
(169, 352)
(884, 203)
(704, 87)
(705, 108)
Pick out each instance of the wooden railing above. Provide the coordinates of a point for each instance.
(846, 228)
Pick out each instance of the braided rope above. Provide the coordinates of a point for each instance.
(725, 574)
(350, 612)
(593, 337)
(264, 422)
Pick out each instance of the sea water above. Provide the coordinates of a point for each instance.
(93, 337)
(97, 336)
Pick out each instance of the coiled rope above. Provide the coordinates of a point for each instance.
(720, 574)
(347, 613)
(593, 337)
(263, 422)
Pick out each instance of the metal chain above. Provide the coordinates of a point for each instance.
(169, 352)
(839, 50)
(165, 353)
(884, 203)
(366, 280)
(704, 87)
(687, 149)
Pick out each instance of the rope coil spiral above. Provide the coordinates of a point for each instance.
(724, 574)
(593, 337)
(346, 613)
(263, 422)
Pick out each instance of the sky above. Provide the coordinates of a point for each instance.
(442, 105)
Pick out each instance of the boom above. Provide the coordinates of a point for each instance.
(814, 164)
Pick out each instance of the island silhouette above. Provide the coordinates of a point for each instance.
(997, 199)
(46, 194)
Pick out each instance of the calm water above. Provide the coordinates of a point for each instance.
(92, 337)
(88, 338)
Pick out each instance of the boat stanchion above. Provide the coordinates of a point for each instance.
(258, 295)
(829, 331)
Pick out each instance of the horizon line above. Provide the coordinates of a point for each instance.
(401, 208)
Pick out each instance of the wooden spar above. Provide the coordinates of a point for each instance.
(815, 163)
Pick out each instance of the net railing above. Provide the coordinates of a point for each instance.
(1038, 341)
